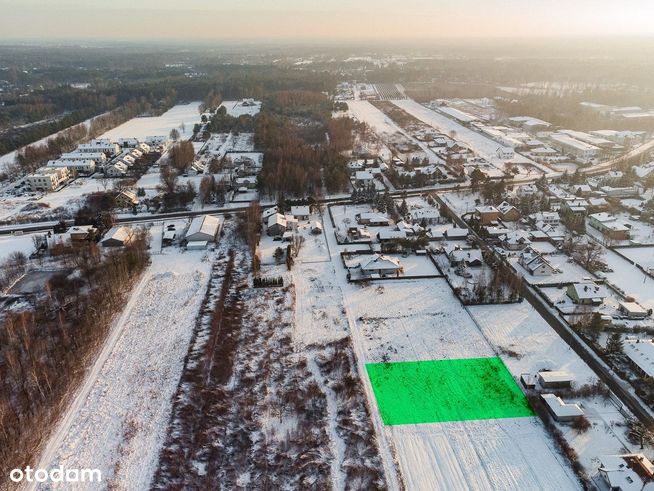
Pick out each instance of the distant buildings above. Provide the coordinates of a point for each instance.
(568, 144)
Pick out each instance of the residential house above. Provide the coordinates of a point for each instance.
(372, 219)
(610, 226)
(83, 167)
(277, 224)
(465, 257)
(627, 472)
(508, 212)
(301, 212)
(380, 264)
(546, 217)
(117, 169)
(126, 199)
(79, 233)
(363, 178)
(555, 379)
(535, 263)
(586, 293)
(103, 145)
(632, 310)
(515, 240)
(640, 353)
(486, 214)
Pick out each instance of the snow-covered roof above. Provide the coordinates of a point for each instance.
(363, 175)
(589, 291)
(629, 472)
(122, 234)
(391, 234)
(206, 225)
(300, 211)
(466, 255)
(641, 352)
(561, 408)
(276, 219)
(379, 261)
(486, 209)
(556, 376)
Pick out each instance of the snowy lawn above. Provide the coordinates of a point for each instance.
(186, 114)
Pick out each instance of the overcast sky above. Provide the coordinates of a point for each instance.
(320, 20)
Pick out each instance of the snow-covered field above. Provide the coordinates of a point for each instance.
(236, 108)
(630, 279)
(641, 255)
(117, 422)
(508, 454)
(421, 320)
(141, 128)
(14, 243)
(378, 121)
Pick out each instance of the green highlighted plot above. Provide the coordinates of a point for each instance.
(446, 390)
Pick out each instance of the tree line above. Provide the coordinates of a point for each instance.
(45, 348)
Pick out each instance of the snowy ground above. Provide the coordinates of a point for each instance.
(14, 243)
(630, 279)
(236, 108)
(118, 420)
(159, 125)
(519, 329)
(643, 256)
(508, 454)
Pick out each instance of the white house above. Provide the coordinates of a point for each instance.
(535, 263)
(301, 212)
(380, 264)
(117, 169)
